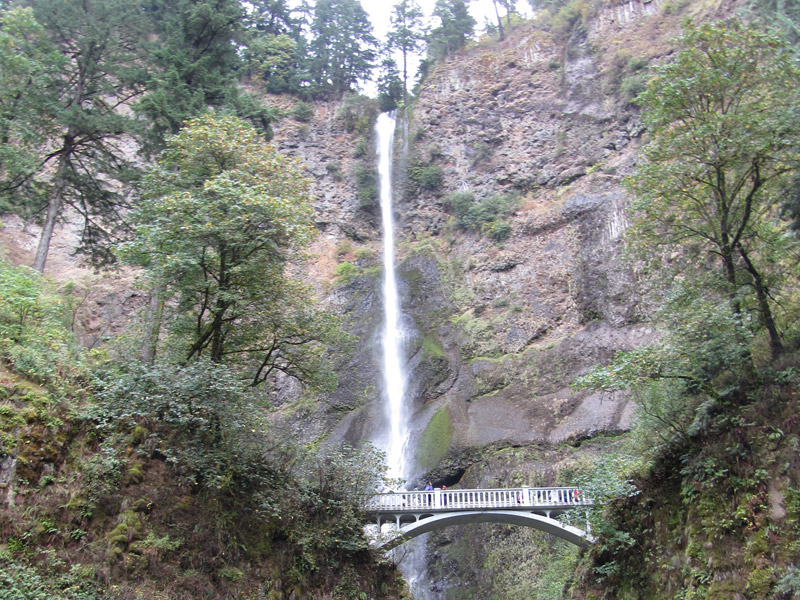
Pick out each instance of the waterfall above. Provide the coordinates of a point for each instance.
(396, 437)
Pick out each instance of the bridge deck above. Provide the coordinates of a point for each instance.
(547, 500)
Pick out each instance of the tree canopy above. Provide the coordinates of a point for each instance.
(723, 121)
(70, 120)
(343, 49)
(456, 26)
(407, 35)
(221, 215)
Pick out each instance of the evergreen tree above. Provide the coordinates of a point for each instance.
(194, 61)
(455, 29)
(407, 35)
(29, 65)
(342, 49)
(79, 160)
(275, 46)
(390, 87)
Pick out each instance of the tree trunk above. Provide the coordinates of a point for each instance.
(53, 210)
(155, 311)
(764, 311)
(499, 21)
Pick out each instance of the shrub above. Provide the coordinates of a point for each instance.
(367, 183)
(345, 273)
(358, 113)
(429, 177)
(33, 335)
(334, 169)
(486, 216)
(303, 112)
(632, 86)
(361, 148)
(499, 230)
(199, 416)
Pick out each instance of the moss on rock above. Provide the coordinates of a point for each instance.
(435, 440)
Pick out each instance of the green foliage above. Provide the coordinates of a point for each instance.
(33, 338)
(487, 215)
(390, 86)
(222, 215)
(303, 112)
(565, 18)
(455, 28)
(407, 35)
(632, 86)
(428, 177)
(789, 583)
(702, 353)
(199, 417)
(722, 117)
(18, 582)
(516, 572)
(357, 113)
(785, 16)
(27, 60)
(331, 487)
(360, 150)
(334, 170)
(368, 186)
(72, 119)
(193, 63)
(345, 273)
(342, 47)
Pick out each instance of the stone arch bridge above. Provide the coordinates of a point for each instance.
(414, 513)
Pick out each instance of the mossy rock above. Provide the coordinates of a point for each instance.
(143, 505)
(432, 347)
(138, 435)
(134, 474)
(435, 440)
(118, 537)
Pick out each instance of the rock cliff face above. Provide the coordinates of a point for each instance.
(501, 324)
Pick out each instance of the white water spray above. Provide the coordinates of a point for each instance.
(393, 373)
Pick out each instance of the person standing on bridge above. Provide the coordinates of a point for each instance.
(429, 488)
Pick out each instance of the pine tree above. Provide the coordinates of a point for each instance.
(390, 87)
(407, 35)
(79, 159)
(193, 60)
(455, 29)
(342, 49)
(274, 45)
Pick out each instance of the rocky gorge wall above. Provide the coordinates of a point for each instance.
(500, 328)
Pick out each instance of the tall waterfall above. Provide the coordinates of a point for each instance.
(394, 376)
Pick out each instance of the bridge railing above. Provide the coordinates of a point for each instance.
(501, 498)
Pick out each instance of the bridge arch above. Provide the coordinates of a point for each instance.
(431, 522)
